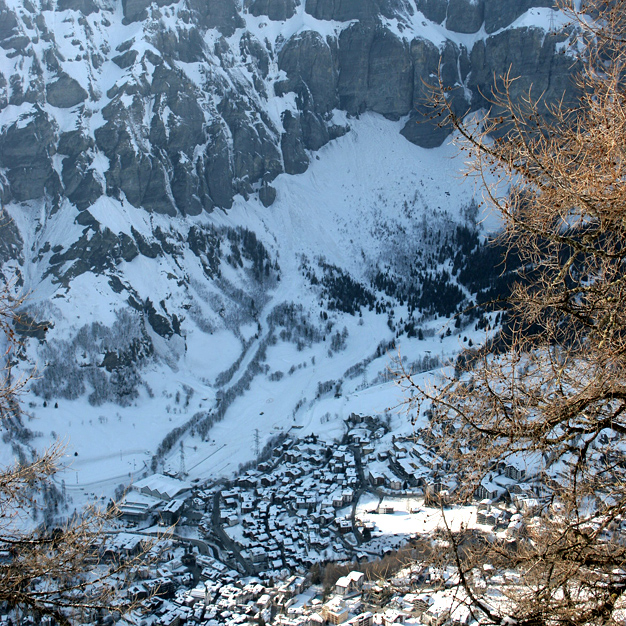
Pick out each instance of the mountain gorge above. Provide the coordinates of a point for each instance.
(216, 205)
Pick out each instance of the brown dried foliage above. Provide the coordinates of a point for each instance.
(559, 390)
(57, 571)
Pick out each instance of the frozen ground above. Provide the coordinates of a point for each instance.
(348, 204)
(411, 517)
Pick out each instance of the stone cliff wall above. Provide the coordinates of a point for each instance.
(191, 118)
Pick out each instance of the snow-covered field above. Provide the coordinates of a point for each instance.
(412, 517)
(367, 198)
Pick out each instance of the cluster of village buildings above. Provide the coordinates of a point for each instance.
(242, 551)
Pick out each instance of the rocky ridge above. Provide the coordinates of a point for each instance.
(179, 106)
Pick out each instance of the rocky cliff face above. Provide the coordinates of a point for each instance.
(235, 210)
(179, 106)
(217, 195)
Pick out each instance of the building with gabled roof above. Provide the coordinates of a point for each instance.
(350, 584)
(161, 486)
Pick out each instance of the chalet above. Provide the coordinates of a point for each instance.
(355, 418)
(351, 584)
(293, 472)
(231, 503)
(481, 515)
(196, 595)
(137, 592)
(283, 601)
(162, 587)
(393, 616)
(317, 458)
(229, 518)
(347, 496)
(171, 512)
(170, 618)
(247, 506)
(335, 612)
(336, 466)
(523, 489)
(294, 455)
(339, 454)
(264, 601)
(293, 586)
(379, 433)
(258, 555)
(488, 490)
(337, 501)
(198, 503)
(516, 526)
(138, 507)
(315, 619)
(344, 526)
(328, 478)
(123, 545)
(379, 593)
(530, 505)
(318, 542)
(250, 533)
(364, 619)
(376, 478)
(267, 480)
(513, 472)
(436, 616)
(357, 438)
(407, 467)
(421, 602)
(248, 482)
(395, 484)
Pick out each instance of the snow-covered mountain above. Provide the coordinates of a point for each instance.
(226, 214)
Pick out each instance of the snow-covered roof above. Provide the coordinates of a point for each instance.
(160, 486)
